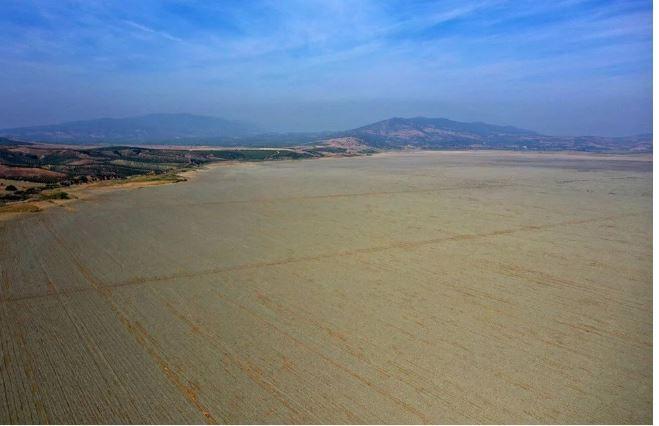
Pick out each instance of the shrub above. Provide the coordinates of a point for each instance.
(57, 195)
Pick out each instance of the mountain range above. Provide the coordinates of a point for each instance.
(141, 129)
(393, 133)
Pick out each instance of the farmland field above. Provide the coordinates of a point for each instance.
(439, 287)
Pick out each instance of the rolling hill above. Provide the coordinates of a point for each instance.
(431, 132)
(441, 133)
(393, 133)
(146, 128)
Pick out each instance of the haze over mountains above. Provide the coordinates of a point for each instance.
(441, 133)
(145, 128)
(393, 133)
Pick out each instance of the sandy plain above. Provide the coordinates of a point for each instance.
(445, 287)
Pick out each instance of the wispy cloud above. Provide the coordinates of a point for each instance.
(420, 51)
(149, 30)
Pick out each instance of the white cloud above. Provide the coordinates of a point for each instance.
(149, 30)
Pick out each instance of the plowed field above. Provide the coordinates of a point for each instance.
(476, 287)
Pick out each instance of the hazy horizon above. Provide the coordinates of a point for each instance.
(262, 130)
(564, 68)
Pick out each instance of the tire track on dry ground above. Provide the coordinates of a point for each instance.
(332, 196)
(146, 341)
(398, 245)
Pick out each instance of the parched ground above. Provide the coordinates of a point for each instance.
(477, 287)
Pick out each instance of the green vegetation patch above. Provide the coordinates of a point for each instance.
(56, 195)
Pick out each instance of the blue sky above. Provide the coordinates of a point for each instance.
(558, 67)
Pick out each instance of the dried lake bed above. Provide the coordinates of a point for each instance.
(436, 287)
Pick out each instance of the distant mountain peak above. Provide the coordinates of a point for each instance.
(430, 132)
(392, 133)
(154, 127)
(440, 122)
(443, 133)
